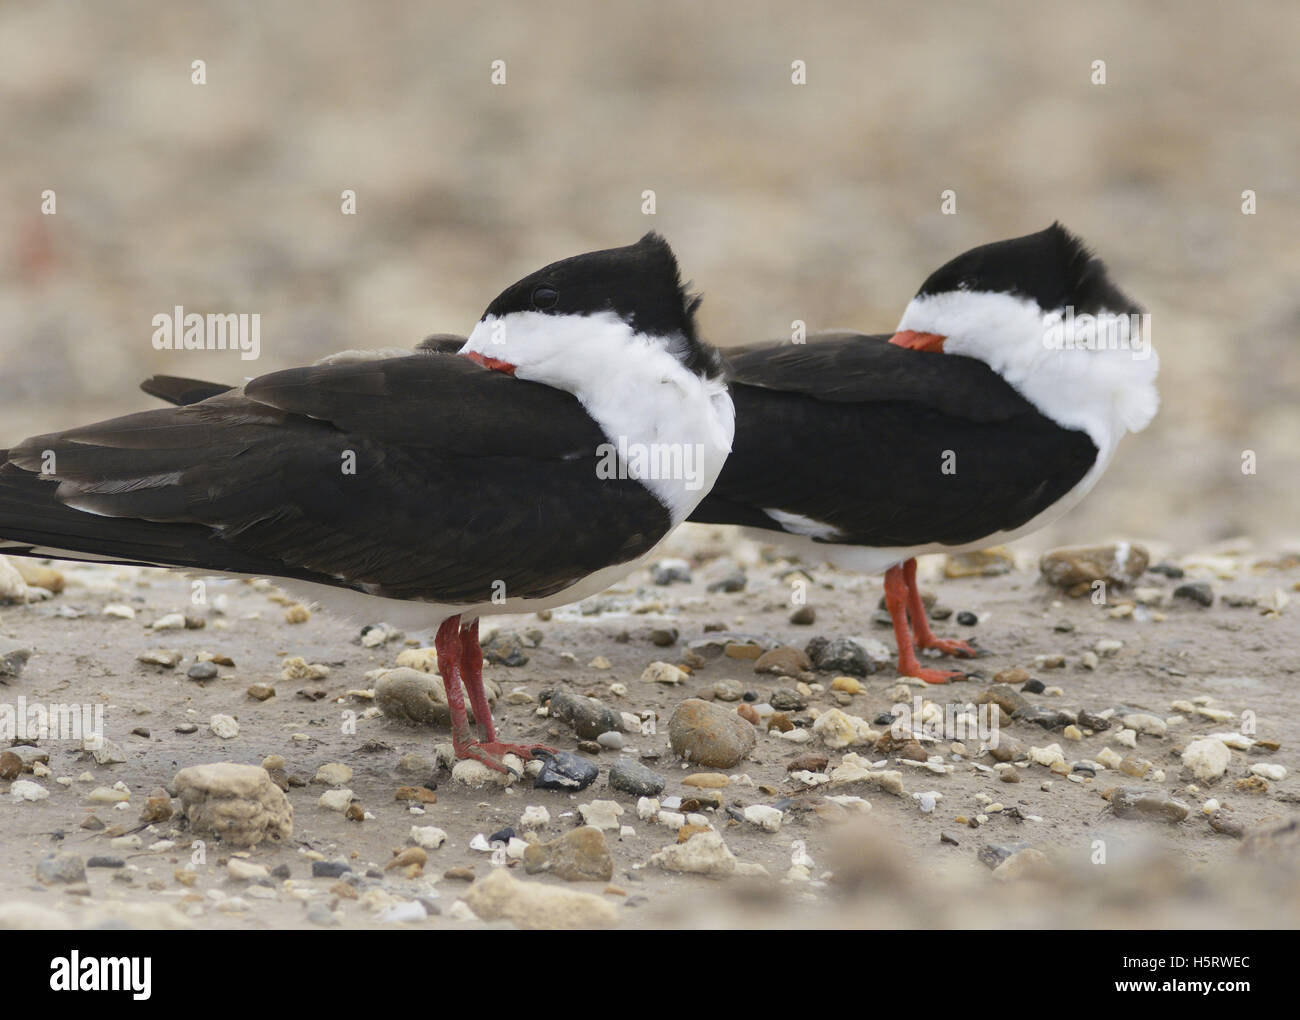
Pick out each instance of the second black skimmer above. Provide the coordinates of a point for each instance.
(991, 410)
(585, 420)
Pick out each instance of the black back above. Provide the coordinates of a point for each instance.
(854, 432)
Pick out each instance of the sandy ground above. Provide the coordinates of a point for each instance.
(892, 866)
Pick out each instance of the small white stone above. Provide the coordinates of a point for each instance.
(223, 726)
(769, 818)
(480, 843)
(671, 819)
(430, 837)
(647, 808)
(25, 789)
(662, 673)
(1207, 758)
(123, 612)
(1127, 737)
(335, 800)
(601, 814)
(1274, 772)
(534, 817)
(172, 621)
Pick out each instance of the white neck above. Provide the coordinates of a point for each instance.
(667, 427)
(1053, 360)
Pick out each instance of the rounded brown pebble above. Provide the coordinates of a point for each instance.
(11, 766)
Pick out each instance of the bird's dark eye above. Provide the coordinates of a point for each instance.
(545, 297)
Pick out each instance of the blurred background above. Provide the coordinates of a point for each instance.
(818, 202)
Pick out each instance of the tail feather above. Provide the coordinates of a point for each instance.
(33, 522)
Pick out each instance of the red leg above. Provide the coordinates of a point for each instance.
(896, 601)
(925, 637)
(471, 663)
(447, 644)
(467, 665)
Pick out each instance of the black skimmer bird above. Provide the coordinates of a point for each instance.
(583, 422)
(992, 410)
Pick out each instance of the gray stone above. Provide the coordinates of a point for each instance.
(634, 778)
(61, 869)
(588, 717)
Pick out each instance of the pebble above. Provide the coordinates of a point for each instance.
(733, 582)
(475, 774)
(704, 853)
(783, 661)
(662, 673)
(846, 656)
(119, 611)
(804, 616)
(417, 698)
(335, 800)
(611, 740)
(838, 729)
(168, 657)
(1143, 802)
(245, 871)
(991, 562)
(533, 905)
(707, 780)
(1145, 723)
(565, 771)
(727, 690)
(1208, 758)
(333, 774)
(580, 855)
(201, 671)
(602, 814)
(589, 717)
(106, 861)
(768, 818)
(1221, 822)
(11, 766)
(636, 779)
(260, 692)
(1196, 591)
(1127, 737)
(25, 789)
(1027, 863)
(1252, 784)
(1075, 567)
(1274, 772)
(669, 571)
(13, 657)
(967, 619)
(505, 648)
(239, 803)
(223, 726)
(61, 869)
(707, 735)
(429, 837)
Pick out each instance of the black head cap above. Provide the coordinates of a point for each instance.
(640, 283)
(1053, 267)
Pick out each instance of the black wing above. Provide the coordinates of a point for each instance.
(891, 447)
(415, 477)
